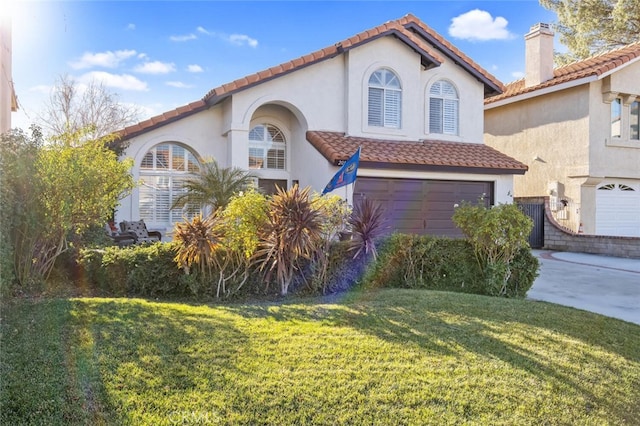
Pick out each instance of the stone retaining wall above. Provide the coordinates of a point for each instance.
(556, 237)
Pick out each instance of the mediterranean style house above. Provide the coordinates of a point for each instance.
(400, 91)
(576, 127)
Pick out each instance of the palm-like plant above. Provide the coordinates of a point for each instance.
(367, 223)
(293, 232)
(213, 186)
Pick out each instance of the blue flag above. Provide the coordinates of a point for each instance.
(346, 174)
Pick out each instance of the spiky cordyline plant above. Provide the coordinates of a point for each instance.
(199, 241)
(292, 233)
(367, 223)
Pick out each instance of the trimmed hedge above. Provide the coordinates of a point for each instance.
(420, 261)
(404, 261)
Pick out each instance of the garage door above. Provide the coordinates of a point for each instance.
(421, 206)
(618, 209)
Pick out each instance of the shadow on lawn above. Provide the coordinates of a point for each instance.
(155, 362)
(527, 335)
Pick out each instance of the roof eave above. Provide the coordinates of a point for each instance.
(491, 89)
(540, 92)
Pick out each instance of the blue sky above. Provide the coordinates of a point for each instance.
(161, 55)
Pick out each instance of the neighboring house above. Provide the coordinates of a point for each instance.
(8, 101)
(576, 127)
(409, 98)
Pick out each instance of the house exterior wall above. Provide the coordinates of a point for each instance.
(549, 134)
(565, 139)
(329, 95)
(6, 88)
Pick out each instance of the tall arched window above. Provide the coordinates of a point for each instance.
(385, 99)
(162, 172)
(443, 108)
(267, 148)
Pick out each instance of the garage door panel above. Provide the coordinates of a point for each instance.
(618, 209)
(421, 206)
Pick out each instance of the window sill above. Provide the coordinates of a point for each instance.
(623, 143)
(384, 130)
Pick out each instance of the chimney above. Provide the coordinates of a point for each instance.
(539, 55)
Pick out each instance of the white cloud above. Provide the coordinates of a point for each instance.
(242, 39)
(195, 68)
(155, 67)
(202, 30)
(131, 27)
(517, 74)
(185, 37)
(143, 56)
(479, 25)
(179, 84)
(106, 59)
(41, 88)
(117, 81)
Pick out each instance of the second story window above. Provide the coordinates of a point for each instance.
(267, 148)
(443, 108)
(616, 118)
(634, 124)
(385, 99)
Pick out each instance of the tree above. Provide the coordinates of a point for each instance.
(590, 27)
(73, 106)
(52, 191)
(213, 186)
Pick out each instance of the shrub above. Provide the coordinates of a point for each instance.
(415, 261)
(367, 224)
(497, 234)
(143, 270)
(292, 234)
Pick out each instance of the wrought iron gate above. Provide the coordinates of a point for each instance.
(536, 213)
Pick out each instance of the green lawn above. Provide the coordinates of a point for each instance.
(387, 357)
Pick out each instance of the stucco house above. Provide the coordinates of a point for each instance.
(8, 100)
(403, 93)
(576, 127)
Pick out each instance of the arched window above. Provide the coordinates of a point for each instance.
(443, 108)
(385, 99)
(267, 148)
(162, 172)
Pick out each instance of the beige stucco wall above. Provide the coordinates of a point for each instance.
(550, 134)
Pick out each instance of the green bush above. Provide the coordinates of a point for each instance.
(420, 261)
(145, 270)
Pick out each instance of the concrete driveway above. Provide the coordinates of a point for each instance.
(606, 285)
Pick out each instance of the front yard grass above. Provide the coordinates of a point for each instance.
(388, 357)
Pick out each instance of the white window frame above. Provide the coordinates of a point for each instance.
(384, 99)
(268, 143)
(443, 109)
(616, 118)
(163, 169)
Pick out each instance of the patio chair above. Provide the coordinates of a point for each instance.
(121, 239)
(139, 229)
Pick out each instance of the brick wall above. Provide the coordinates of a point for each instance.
(556, 237)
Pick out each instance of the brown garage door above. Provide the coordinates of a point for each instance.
(421, 206)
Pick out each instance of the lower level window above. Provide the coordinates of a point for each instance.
(162, 173)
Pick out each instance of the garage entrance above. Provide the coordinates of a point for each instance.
(618, 210)
(415, 206)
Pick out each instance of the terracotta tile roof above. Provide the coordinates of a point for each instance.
(336, 147)
(594, 66)
(395, 28)
(162, 119)
(408, 29)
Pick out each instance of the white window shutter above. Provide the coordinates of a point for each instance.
(435, 115)
(450, 117)
(375, 106)
(392, 108)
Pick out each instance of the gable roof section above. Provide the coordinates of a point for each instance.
(408, 29)
(416, 155)
(594, 67)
